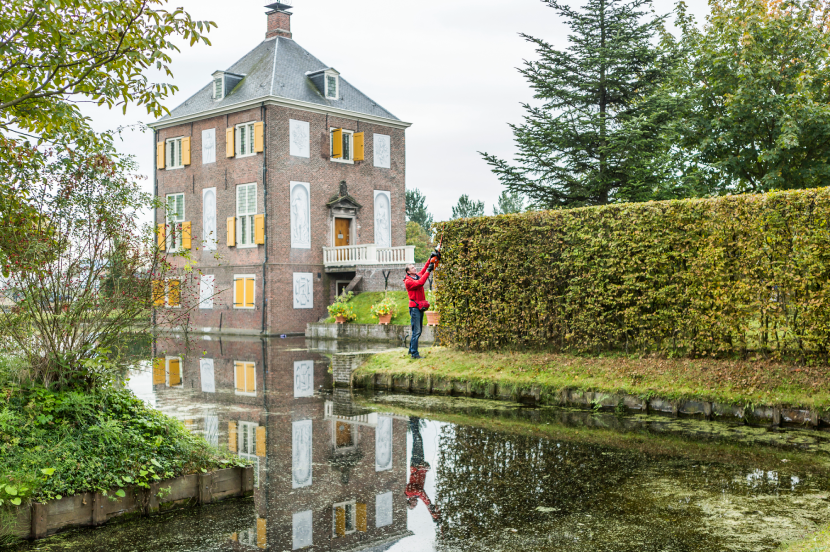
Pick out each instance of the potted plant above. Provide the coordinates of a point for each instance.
(341, 310)
(433, 315)
(384, 311)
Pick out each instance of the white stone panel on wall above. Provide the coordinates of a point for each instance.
(301, 454)
(383, 444)
(209, 146)
(299, 138)
(302, 530)
(207, 283)
(303, 378)
(212, 429)
(383, 219)
(303, 290)
(209, 233)
(300, 216)
(206, 370)
(383, 509)
(382, 146)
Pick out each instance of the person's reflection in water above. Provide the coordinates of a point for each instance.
(418, 468)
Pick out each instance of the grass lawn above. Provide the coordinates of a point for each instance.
(816, 542)
(755, 382)
(364, 301)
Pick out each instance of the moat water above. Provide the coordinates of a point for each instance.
(408, 473)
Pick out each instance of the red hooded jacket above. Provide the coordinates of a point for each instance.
(415, 288)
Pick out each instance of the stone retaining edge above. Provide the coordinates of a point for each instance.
(590, 399)
(39, 520)
(366, 332)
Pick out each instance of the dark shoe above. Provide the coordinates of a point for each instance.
(416, 356)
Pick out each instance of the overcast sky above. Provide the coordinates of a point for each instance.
(449, 68)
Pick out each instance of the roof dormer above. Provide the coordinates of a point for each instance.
(327, 82)
(223, 84)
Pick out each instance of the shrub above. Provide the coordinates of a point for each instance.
(384, 307)
(714, 277)
(340, 307)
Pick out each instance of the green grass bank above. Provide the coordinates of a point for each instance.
(746, 382)
(816, 542)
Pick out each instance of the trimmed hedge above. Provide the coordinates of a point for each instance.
(720, 277)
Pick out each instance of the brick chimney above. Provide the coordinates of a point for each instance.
(279, 20)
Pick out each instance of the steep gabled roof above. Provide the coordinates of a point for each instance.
(277, 69)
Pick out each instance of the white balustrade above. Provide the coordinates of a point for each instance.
(369, 254)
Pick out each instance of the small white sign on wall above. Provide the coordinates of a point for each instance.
(302, 530)
(208, 381)
(303, 290)
(382, 145)
(209, 146)
(301, 454)
(383, 219)
(299, 138)
(383, 444)
(206, 286)
(300, 215)
(209, 235)
(383, 509)
(303, 378)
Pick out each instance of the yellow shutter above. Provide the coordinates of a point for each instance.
(160, 155)
(250, 377)
(360, 513)
(232, 436)
(158, 293)
(231, 231)
(340, 521)
(186, 150)
(358, 147)
(186, 244)
(158, 371)
(259, 137)
(230, 149)
(162, 238)
(240, 376)
(174, 293)
(260, 441)
(259, 229)
(337, 143)
(238, 293)
(249, 293)
(261, 533)
(175, 372)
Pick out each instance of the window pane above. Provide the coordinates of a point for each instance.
(332, 87)
(243, 235)
(347, 154)
(178, 152)
(251, 199)
(251, 228)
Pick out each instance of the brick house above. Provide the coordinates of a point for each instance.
(285, 183)
(328, 473)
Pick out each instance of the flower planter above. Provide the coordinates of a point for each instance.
(385, 319)
(340, 319)
(433, 318)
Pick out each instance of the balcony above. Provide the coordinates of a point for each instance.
(352, 256)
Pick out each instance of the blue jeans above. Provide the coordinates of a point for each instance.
(417, 317)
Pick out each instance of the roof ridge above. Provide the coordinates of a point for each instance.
(274, 67)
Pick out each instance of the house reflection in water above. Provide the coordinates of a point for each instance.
(329, 474)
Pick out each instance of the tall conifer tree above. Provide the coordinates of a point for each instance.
(596, 137)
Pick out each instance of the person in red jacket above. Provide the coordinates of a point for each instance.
(418, 304)
(418, 468)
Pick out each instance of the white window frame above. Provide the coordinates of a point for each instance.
(173, 235)
(167, 360)
(241, 130)
(235, 302)
(336, 77)
(246, 429)
(207, 303)
(173, 155)
(353, 504)
(221, 81)
(236, 364)
(350, 133)
(249, 216)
